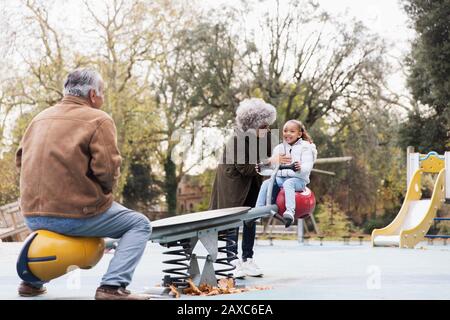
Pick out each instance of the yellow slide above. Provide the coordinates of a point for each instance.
(416, 215)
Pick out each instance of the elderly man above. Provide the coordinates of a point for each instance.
(69, 164)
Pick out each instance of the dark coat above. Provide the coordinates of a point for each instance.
(237, 184)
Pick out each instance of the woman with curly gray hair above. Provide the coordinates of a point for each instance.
(254, 114)
(237, 183)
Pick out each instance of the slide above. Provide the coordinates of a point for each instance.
(415, 216)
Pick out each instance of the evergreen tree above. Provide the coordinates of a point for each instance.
(429, 76)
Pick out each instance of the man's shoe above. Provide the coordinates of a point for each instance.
(288, 218)
(239, 271)
(117, 293)
(27, 289)
(251, 269)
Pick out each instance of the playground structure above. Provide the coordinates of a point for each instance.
(416, 215)
(52, 255)
(305, 203)
(180, 234)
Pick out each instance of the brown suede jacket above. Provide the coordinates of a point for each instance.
(68, 161)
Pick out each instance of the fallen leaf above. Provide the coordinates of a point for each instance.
(224, 286)
(205, 288)
(194, 288)
(226, 283)
(174, 291)
(213, 292)
(188, 291)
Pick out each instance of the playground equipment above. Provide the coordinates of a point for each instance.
(416, 214)
(445, 237)
(42, 257)
(305, 201)
(48, 255)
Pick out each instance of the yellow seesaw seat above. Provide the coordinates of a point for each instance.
(416, 214)
(48, 255)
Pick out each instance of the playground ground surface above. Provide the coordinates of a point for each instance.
(291, 270)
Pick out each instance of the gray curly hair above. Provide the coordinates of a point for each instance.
(254, 113)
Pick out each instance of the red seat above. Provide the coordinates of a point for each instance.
(305, 202)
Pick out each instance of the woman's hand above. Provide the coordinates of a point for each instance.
(285, 160)
(297, 165)
(281, 159)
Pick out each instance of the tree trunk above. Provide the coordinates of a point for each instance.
(171, 185)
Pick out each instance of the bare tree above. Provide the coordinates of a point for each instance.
(313, 66)
(195, 82)
(126, 33)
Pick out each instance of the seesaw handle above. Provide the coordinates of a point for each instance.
(287, 166)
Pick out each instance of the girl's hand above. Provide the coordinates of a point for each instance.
(257, 168)
(297, 165)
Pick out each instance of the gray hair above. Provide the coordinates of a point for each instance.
(254, 113)
(80, 81)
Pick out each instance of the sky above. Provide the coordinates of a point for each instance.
(383, 17)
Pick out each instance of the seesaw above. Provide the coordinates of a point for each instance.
(47, 255)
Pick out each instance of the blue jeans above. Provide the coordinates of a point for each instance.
(133, 229)
(290, 186)
(248, 240)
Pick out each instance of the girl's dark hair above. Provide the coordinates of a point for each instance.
(301, 127)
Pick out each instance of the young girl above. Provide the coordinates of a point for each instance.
(298, 148)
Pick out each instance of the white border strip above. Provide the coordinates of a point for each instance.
(447, 175)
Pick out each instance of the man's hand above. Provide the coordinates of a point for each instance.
(297, 165)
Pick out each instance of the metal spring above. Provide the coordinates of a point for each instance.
(229, 255)
(178, 276)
